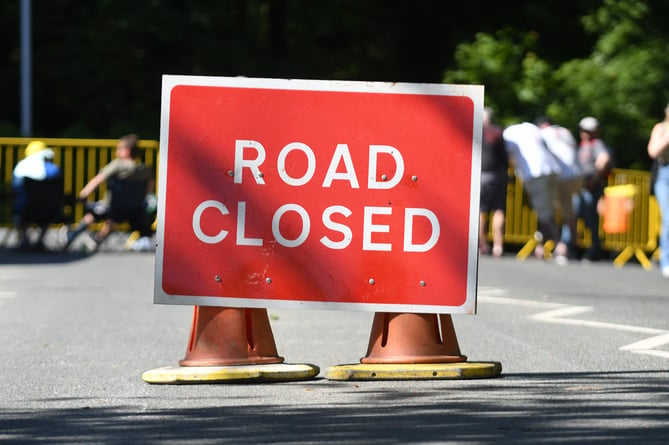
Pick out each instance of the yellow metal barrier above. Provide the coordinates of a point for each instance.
(521, 220)
(643, 223)
(80, 160)
(639, 239)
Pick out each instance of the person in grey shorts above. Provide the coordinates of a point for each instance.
(562, 145)
(539, 171)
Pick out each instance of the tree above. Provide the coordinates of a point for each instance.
(622, 81)
(515, 79)
(98, 65)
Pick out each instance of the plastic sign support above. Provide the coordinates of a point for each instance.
(318, 194)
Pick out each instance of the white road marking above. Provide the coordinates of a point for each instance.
(649, 346)
(556, 313)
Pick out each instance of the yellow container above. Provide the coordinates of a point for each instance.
(618, 202)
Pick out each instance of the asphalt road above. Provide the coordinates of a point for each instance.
(584, 350)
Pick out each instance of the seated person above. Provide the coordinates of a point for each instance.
(36, 166)
(128, 182)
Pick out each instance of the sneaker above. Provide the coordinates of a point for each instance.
(497, 251)
(143, 244)
(561, 260)
(665, 272)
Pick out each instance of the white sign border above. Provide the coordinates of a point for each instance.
(474, 92)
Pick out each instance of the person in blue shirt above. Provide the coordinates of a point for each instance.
(658, 150)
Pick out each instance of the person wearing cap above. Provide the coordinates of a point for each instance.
(595, 161)
(37, 165)
(658, 150)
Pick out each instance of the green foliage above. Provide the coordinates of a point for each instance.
(623, 82)
(97, 65)
(516, 80)
(493, 61)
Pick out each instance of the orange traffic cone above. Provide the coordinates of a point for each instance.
(413, 338)
(223, 336)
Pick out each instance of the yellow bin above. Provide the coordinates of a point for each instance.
(618, 202)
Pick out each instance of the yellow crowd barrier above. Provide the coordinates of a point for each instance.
(640, 212)
(642, 228)
(79, 159)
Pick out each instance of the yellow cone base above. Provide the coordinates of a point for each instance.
(280, 372)
(421, 371)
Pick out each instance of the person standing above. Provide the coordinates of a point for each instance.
(494, 181)
(658, 150)
(562, 145)
(539, 171)
(594, 158)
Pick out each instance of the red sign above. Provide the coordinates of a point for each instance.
(318, 194)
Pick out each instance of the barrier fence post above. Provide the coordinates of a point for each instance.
(630, 223)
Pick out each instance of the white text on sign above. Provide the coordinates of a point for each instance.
(371, 214)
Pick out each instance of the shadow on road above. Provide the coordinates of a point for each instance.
(518, 408)
(14, 256)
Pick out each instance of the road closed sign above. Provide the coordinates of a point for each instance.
(318, 194)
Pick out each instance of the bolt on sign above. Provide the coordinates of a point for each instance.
(318, 194)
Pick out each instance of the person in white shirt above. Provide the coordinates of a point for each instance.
(539, 170)
(563, 146)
